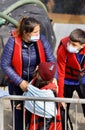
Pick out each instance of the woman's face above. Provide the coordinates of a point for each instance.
(36, 31)
(34, 35)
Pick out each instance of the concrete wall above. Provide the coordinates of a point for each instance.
(62, 30)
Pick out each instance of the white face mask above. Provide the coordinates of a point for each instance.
(34, 38)
(72, 49)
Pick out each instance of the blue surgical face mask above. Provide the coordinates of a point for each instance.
(34, 38)
(72, 49)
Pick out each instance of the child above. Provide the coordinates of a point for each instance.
(42, 86)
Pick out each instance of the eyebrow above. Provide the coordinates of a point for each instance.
(73, 43)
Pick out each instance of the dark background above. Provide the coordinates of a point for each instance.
(57, 6)
(67, 6)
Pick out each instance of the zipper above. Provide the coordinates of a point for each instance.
(29, 60)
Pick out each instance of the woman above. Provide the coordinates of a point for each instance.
(24, 50)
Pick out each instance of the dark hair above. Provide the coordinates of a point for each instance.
(39, 82)
(77, 35)
(26, 24)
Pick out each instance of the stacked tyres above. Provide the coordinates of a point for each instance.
(31, 8)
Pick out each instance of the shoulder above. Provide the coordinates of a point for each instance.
(50, 85)
(11, 39)
(63, 43)
(42, 37)
(10, 42)
(44, 41)
(65, 38)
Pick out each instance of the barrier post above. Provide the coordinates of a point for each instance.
(1, 115)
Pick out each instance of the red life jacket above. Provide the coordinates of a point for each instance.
(17, 62)
(73, 68)
(68, 66)
(39, 121)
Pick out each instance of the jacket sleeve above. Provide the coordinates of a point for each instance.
(6, 62)
(61, 61)
(48, 52)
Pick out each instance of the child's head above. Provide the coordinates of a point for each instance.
(44, 73)
(76, 41)
(47, 70)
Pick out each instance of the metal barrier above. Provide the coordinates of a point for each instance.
(1, 114)
(75, 101)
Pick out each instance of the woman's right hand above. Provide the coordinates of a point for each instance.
(23, 85)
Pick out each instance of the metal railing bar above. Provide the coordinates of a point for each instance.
(44, 117)
(76, 117)
(66, 100)
(34, 115)
(66, 117)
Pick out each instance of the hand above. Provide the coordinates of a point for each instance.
(63, 104)
(55, 82)
(23, 85)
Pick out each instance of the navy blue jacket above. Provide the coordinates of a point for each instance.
(30, 59)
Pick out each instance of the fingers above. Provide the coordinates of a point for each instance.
(24, 85)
